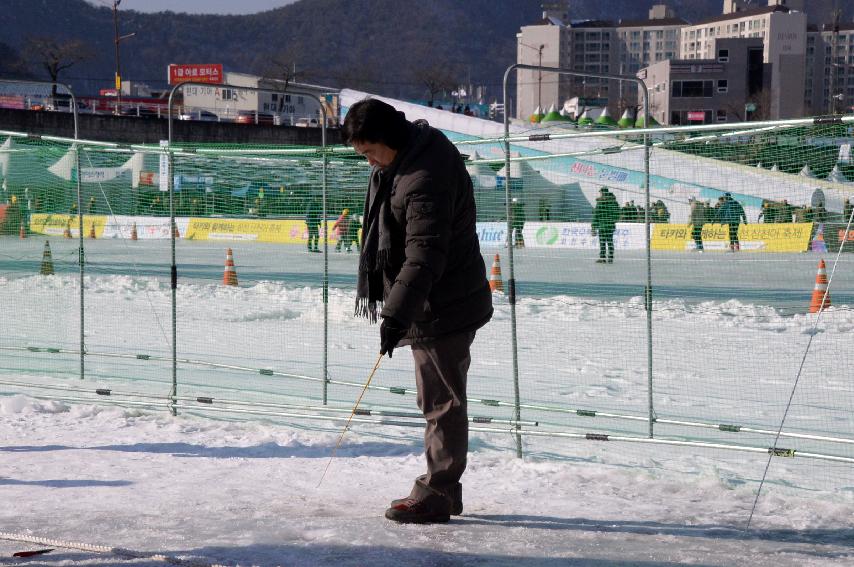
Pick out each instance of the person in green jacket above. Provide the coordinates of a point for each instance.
(605, 216)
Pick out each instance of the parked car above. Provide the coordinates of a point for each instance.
(199, 115)
(306, 123)
(249, 117)
(63, 105)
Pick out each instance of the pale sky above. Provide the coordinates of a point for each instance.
(197, 6)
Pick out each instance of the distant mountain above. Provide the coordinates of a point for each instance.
(376, 45)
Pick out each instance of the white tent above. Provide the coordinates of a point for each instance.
(565, 201)
(65, 166)
(5, 154)
(807, 172)
(836, 176)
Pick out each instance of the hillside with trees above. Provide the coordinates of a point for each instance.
(392, 47)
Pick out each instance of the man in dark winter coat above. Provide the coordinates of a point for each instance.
(605, 216)
(421, 258)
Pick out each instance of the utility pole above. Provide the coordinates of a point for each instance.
(539, 51)
(118, 39)
(540, 81)
(834, 81)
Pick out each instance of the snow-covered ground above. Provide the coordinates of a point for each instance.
(242, 489)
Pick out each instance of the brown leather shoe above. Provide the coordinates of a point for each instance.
(455, 493)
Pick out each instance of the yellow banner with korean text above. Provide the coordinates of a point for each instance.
(759, 237)
(258, 230)
(59, 225)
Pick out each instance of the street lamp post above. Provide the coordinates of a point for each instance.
(118, 39)
(539, 51)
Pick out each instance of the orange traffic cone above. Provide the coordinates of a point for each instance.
(820, 296)
(133, 233)
(229, 276)
(47, 261)
(92, 232)
(67, 232)
(496, 284)
(23, 232)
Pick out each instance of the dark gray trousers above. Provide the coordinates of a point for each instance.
(441, 367)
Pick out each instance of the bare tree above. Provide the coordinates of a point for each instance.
(56, 56)
(281, 70)
(436, 78)
(760, 101)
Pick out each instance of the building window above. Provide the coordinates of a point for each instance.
(723, 85)
(287, 98)
(721, 115)
(692, 89)
(229, 94)
(723, 55)
(300, 100)
(274, 97)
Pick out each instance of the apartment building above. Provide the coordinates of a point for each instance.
(592, 46)
(708, 91)
(783, 32)
(800, 55)
(829, 84)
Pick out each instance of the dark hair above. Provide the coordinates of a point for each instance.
(374, 121)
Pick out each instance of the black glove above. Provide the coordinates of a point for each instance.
(390, 334)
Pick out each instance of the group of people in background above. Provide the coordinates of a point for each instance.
(630, 212)
(455, 108)
(346, 228)
(726, 211)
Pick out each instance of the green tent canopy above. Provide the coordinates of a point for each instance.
(605, 119)
(639, 123)
(626, 120)
(552, 115)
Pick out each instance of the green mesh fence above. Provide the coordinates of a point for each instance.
(704, 359)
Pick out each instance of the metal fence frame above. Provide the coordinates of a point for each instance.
(81, 251)
(174, 278)
(511, 284)
(516, 424)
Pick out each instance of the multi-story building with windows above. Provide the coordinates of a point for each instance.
(801, 56)
(783, 32)
(593, 46)
(829, 85)
(706, 91)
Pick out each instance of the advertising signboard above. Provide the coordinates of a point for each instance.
(206, 73)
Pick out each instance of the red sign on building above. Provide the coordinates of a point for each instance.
(211, 73)
(696, 116)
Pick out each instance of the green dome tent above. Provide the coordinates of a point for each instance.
(626, 120)
(639, 123)
(605, 119)
(552, 115)
(585, 120)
